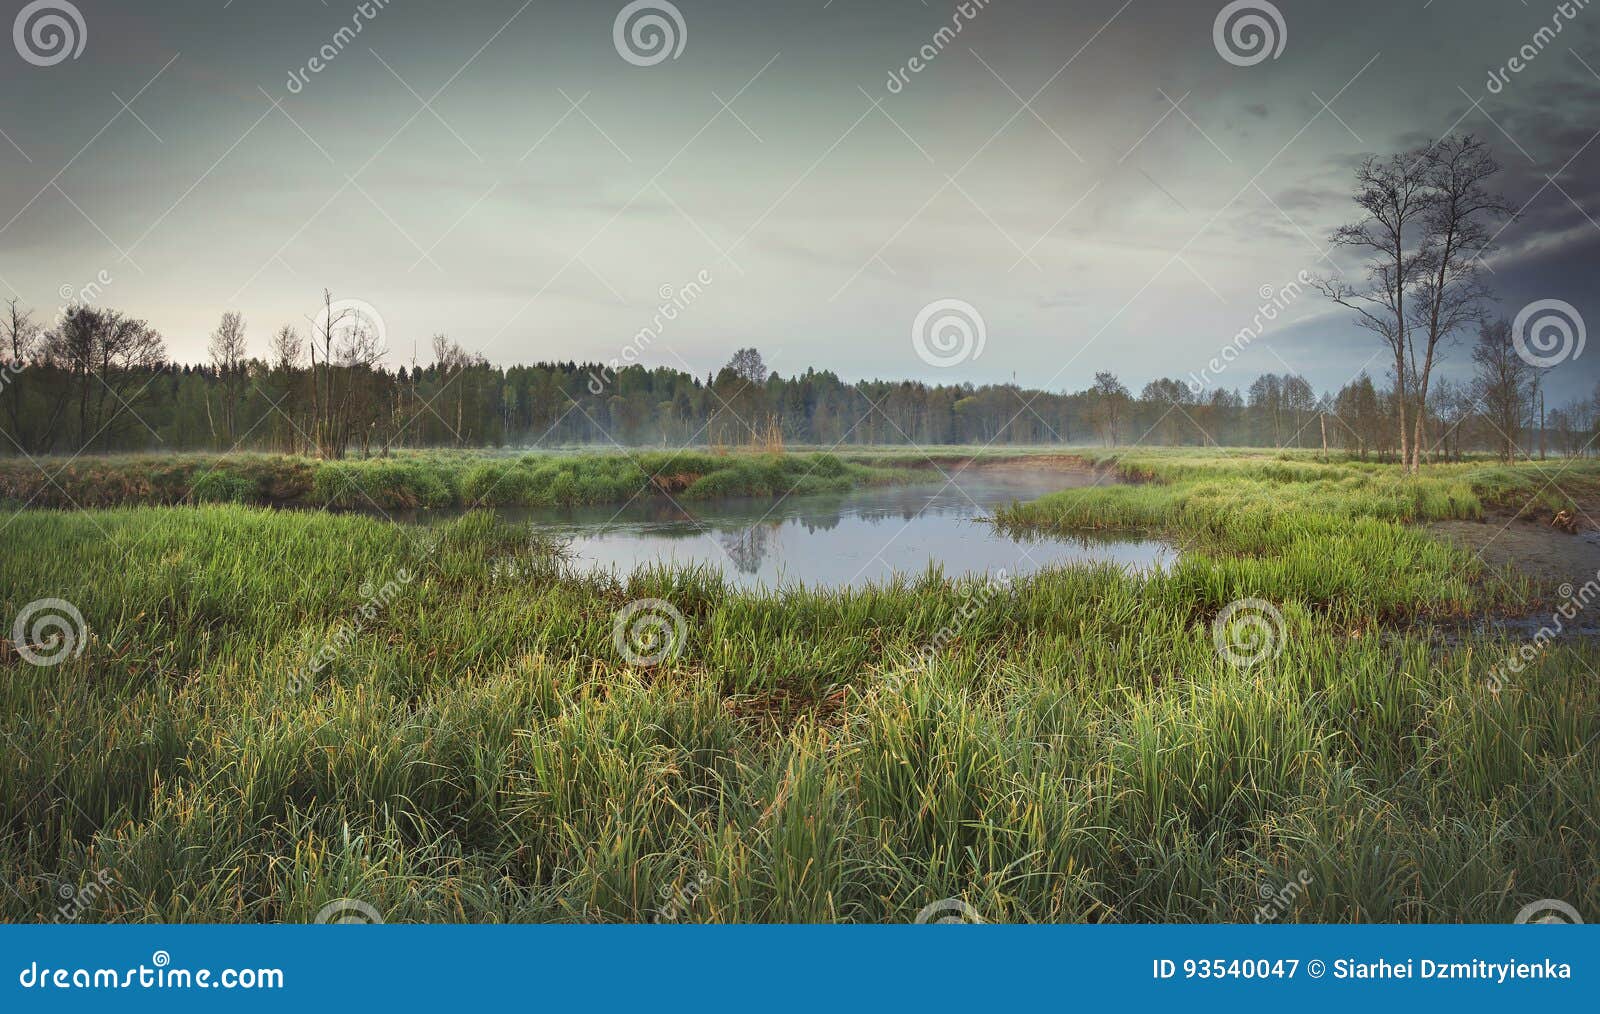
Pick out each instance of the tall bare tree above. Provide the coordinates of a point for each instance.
(227, 350)
(1393, 193)
(287, 352)
(350, 345)
(1423, 234)
(32, 409)
(1502, 383)
(1451, 292)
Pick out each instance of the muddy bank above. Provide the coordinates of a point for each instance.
(1546, 554)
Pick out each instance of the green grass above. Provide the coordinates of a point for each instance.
(431, 479)
(1077, 751)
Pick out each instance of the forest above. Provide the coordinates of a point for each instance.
(98, 380)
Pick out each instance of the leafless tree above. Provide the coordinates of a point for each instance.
(287, 352)
(32, 409)
(1502, 383)
(227, 349)
(1393, 193)
(1451, 292)
(1423, 234)
(350, 346)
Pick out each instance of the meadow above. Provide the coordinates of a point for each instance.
(1074, 746)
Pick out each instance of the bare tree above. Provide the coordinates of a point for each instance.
(1424, 232)
(227, 351)
(1502, 383)
(1393, 193)
(22, 348)
(1450, 293)
(287, 351)
(350, 346)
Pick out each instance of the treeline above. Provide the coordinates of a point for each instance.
(99, 381)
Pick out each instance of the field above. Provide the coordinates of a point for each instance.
(276, 709)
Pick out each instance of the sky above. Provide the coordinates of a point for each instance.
(1104, 185)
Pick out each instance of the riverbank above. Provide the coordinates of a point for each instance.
(433, 479)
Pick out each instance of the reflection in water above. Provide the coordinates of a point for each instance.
(837, 539)
(749, 547)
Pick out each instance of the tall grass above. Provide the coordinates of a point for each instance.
(432, 479)
(1077, 751)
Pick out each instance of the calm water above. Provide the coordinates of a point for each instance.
(837, 540)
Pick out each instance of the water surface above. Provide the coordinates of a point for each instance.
(837, 540)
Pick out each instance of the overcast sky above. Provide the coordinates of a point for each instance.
(501, 173)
